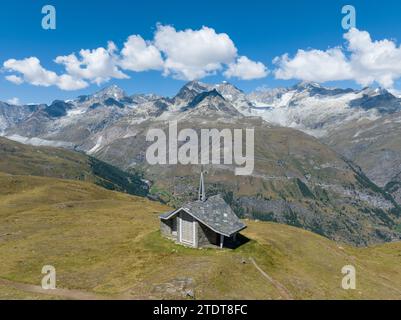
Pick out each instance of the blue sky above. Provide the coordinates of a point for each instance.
(260, 30)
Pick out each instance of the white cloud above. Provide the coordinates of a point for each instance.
(362, 60)
(97, 65)
(32, 72)
(246, 69)
(314, 65)
(194, 54)
(187, 55)
(68, 82)
(15, 79)
(14, 101)
(373, 61)
(137, 55)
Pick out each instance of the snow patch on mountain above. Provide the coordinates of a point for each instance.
(39, 141)
(97, 146)
(315, 109)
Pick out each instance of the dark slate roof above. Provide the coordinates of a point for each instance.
(167, 215)
(214, 213)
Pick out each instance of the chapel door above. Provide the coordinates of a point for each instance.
(187, 229)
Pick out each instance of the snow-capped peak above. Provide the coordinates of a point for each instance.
(372, 92)
(305, 85)
(112, 91)
(226, 88)
(188, 92)
(196, 86)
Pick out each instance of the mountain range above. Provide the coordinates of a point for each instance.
(326, 159)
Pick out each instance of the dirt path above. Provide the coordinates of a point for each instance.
(62, 293)
(83, 295)
(281, 289)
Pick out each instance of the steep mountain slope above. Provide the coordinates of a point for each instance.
(108, 244)
(67, 123)
(19, 159)
(363, 125)
(11, 115)
(374, 145)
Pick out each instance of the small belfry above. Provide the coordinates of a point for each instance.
(206, 222)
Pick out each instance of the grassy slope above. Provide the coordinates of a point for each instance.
(8, 293)
(17, 158)
(108, 242)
